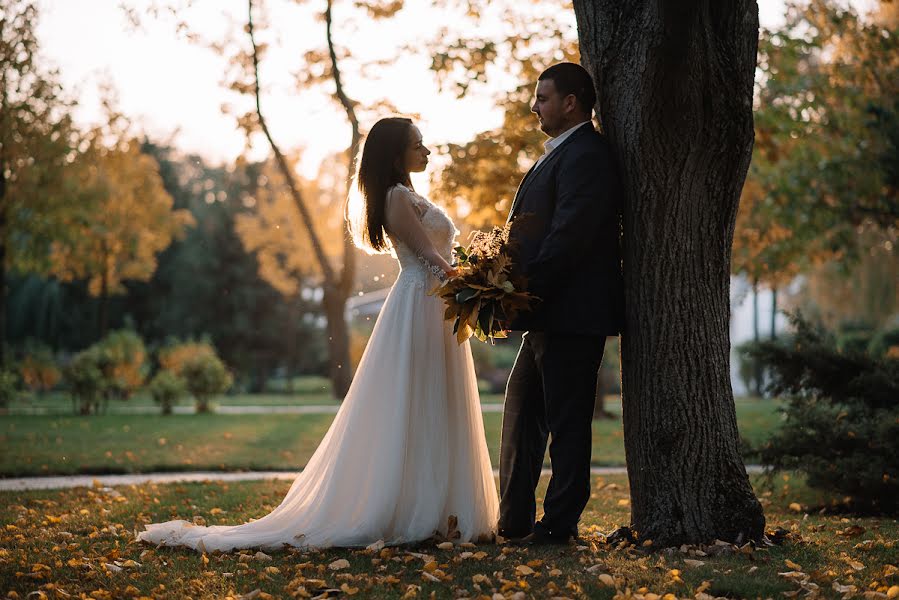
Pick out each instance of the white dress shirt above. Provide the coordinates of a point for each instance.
(553, 143)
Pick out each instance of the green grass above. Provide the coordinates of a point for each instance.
(59, 543)
(60, 445)
(308, 391)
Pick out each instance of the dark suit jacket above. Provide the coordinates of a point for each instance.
(565, 225)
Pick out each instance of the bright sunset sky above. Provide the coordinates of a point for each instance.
(172, 88)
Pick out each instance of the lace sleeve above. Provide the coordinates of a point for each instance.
(404, 223)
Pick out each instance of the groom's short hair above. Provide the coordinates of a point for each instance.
(571, 78)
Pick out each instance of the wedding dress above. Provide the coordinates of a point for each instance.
(406, 455)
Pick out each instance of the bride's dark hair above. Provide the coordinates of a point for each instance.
(379, 169)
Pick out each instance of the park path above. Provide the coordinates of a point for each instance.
(71, 481)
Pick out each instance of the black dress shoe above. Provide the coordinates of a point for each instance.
(539, 538)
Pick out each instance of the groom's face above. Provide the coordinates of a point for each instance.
(550, 107)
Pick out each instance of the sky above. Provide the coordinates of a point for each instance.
(172, 88)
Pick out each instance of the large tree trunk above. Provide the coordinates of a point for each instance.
(599, 402)
(773, 312)
(675, 83)
(341, 369)
(756, 337)
(103, 309)
(3, 225)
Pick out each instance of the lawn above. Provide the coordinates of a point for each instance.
(59, 445)
(79, 543)
(307, 391)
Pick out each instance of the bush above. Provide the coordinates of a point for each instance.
(176, 354)
(122, 360)
(167, 389)
(8, 388)
(885, 343)
(842, 417)
(112, 368)
(205, 376)
(38, 369)
(84, 377)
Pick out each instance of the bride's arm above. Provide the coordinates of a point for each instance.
(403, 223)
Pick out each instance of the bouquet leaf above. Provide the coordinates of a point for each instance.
(484, 297)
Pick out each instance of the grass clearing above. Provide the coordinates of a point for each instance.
(79, 542)
(63, 445)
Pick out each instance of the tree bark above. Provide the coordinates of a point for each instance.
(674, 82)
(103, 310)
(756, 337)
(340, 372)
(599, 403)
(773, 312)
(3, 226)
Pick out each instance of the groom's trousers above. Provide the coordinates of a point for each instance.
(549, 396)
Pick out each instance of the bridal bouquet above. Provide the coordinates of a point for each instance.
(484, 296)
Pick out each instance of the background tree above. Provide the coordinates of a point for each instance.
(822, 187)
(37, 143)
(125, 220)
(336, 282)
(675, 85)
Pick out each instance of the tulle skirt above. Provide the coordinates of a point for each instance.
(404, 458)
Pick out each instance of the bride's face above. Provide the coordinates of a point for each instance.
(415, 159)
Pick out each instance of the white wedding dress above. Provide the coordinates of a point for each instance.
(406, 454)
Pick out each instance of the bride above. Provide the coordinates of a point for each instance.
(406, 455)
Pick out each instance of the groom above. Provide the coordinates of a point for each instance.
(568, 250)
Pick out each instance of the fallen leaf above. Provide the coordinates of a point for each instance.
(607, 579)
(795, 507)
(693, 563)
(340, 563)
(851, 531)
(793, 565)
(524, 570)
(445, 546)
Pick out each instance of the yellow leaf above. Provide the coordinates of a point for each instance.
(795, 507)
(793, 565)
(524, 570)
(273, 570)
(445, 546)
(607, 579)
(350, 591)
(893, 592)
(431, 566)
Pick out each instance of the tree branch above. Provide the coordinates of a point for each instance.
(327, 271)
(349, 258)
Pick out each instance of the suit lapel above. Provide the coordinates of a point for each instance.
(533, 171)
(520, 189)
